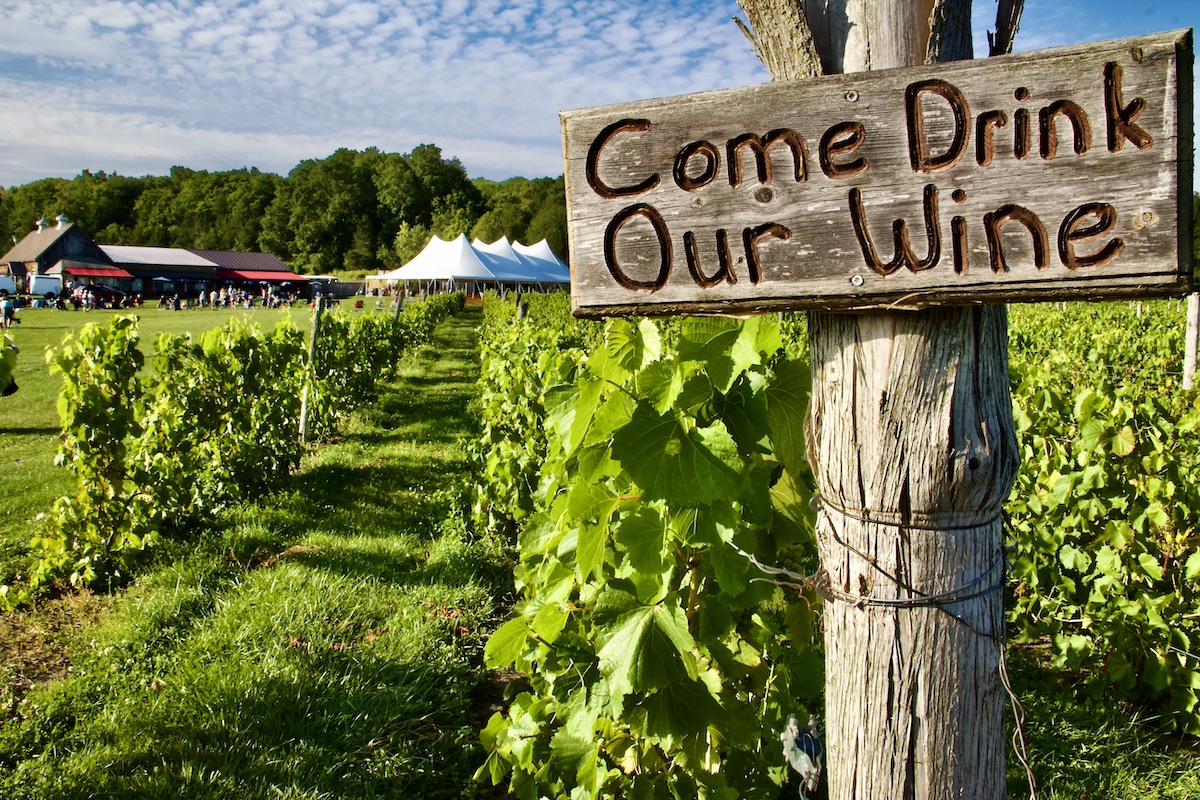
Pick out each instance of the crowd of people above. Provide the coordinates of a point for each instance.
(229, 297)
(95, 296)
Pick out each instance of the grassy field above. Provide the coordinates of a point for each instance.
(325, 641)
(29, 424)
(321, 643)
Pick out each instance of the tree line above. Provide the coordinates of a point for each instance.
(353, 211)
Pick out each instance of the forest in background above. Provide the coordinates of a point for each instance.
(353, 212)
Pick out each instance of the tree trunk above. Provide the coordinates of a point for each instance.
(912, 441)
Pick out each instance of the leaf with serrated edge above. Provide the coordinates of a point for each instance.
(644, 650)
(678, 465)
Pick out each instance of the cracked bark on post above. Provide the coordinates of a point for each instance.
(911, 433)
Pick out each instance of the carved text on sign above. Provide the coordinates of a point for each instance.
(841, 141)
(1022, 177)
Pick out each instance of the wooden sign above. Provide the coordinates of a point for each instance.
(1063, 173)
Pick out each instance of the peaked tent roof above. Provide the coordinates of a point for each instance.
(543, 254)
(441, 261)
(504, 262)
(500, 262)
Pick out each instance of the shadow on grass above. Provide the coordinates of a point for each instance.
(242, 713)
(1088, 745)
(340, 723)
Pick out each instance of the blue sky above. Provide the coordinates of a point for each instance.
(136, 86)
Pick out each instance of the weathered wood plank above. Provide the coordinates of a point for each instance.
(1035, 176)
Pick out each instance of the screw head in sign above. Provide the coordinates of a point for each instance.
(851, 95)
(857, 280)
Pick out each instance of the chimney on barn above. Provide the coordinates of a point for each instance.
(42, 224)
(62, 220)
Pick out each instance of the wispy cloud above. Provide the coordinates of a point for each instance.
(137, 85)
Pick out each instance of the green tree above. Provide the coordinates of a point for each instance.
(411, 240)
(24, 205)
(323, 211)
(549, 220)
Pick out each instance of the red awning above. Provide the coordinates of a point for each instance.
(257, 275)
(96, 272)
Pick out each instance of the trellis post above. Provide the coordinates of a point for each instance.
(310, 365)
(794, 196)
(912, 442)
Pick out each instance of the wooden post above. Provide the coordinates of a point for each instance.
(912, 442)
(312, 355)
(400, 292)
(1193, 333)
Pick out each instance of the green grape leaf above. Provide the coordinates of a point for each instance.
(744, 411)
(1075, 559)
(710, 340)
(732, 570)
(1192, 569)
(644, 536)
(1150, 567)
(549, 622)
(589, 549)
(684, 708)
(632, 346)
(794, 520)
(787, 402)
(644, 650)
(1093, 434)
(574, 756)
(1119, 534)
(615, 600)
(507, 644)
(570, 409)
(1085, 405)
(661, 383)
(676, 464)
(614, 412)
(590, 501)
(1124, 441)
(762, 335)
(799, 618)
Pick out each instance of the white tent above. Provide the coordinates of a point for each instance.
(499, 264)
(536, 264)
(443, 261)
(542, 253)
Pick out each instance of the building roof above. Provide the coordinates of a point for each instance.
(155, 256)
(35, 243)
(249, 262)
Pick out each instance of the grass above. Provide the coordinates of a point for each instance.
(324, 642)
(29, 424)
(1085, 747)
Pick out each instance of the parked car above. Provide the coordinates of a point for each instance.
(7, 285)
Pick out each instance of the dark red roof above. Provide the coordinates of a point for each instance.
(255, 262)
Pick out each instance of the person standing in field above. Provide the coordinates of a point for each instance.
(8, 311)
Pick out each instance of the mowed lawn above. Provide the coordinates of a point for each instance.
(324, 642)
(29, 423)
